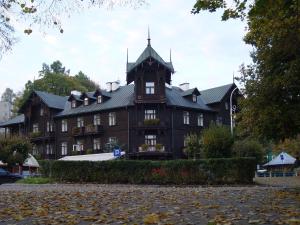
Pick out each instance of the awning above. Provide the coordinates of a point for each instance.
(91, 157)
(31, 161)
(282, 159)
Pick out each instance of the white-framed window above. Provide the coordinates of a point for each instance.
(49, 149)
(79, 144)
(97, 119)
(150, 140)
(73, 104)
(99, 99)
(41, 111)
(150, 114)
(49, 126)
(112, 119)
(150, 88)
(64, 125)
(226, 106)
(112, 140)
(35, 150)
(64, 148)
(86, 101)
(200, 119)
(80, 122)
(97, 143)
(35, 127)
(194, 98)
(186, 117)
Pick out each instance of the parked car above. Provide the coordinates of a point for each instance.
(7, 177)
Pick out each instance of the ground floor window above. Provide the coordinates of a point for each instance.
(79, 146)
(64, 148)
(112, 140)
(200, 119)
(35, 150)
(97, 144)
(150, 140)
(49, 149)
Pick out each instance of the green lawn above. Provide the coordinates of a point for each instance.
(35, 180)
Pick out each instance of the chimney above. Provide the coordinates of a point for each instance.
(184, 86)
(108, 86)
(75, 92)
(115, 85)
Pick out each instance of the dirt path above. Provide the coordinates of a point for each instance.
(129, 204)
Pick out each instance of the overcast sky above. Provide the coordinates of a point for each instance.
(205, 51)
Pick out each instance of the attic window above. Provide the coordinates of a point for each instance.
(149, 88)
(73, 104)
(86, 101)
(194, 98)
(99, 99)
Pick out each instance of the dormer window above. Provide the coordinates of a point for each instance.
(99, 99)
(73, 103)
(86, 101)
(194, 98)
(150, 88)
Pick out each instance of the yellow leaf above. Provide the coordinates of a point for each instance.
(152, 218)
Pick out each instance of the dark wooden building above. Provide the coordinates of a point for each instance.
(148, 117)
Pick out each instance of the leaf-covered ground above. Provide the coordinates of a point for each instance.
(129, 204)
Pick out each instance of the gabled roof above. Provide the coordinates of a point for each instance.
(16, 120)
(190, 92)
(149, 52)
(282, 159)
(88, 94)
(51, 100)
(75, 97)
(215, 95)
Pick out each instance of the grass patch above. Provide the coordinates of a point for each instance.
(35, 180)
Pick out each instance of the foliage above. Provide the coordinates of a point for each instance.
(271, 84)
(8, 96)
(14, 150)
(217, 141)
(55, 79)
(289, 145)
(35, 134)
(158, 147)
(151, 122)
(193, 146)
(30, 14)
(248, 148)
(210, 171)
(144, 147)
(35, 180)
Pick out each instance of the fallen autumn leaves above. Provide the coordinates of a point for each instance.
(129, 204)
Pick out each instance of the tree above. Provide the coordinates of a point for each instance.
(14, 150)
(44, 14)
(271, 83)
(217, 141)
(248, 148)
(193, 146)
(8, 96)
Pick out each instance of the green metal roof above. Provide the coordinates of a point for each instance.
(16, 120)
(215, 95)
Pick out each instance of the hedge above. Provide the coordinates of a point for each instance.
(209, 171)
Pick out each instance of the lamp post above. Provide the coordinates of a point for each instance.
(231, 124)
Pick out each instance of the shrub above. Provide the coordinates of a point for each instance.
(248, 148)
(217, 142)
(193, 148)
(211, 171)
(35, 134)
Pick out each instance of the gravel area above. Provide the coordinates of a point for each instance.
(137, 204)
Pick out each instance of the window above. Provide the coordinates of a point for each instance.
(194, 98)
(99, 99)
(73, 104)
(112, 119)
(79, 145)
(35, 150)
(185, 139)
(186, 118)
(80, 122)
(149, 88)
(97, 120)
(64, 126)
(42, 112)
(64, 148)
(112, 140)
(49, 149)
(226, 106)
(35, 127)
(151, 141)
(97, 144)
(150, 114)
(200, 119)
(86, 101)
(49, 126)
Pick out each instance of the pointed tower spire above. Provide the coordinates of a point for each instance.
(149, 39)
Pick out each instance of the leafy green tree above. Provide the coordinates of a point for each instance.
(193, 146)
(14, 150)
(217, 141)
(248, 148)
(271, 83)
(8, 95)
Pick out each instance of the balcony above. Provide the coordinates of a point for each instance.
(155, 148)
(94, 129)
(78, 131)
(157, 152)
(152, 124)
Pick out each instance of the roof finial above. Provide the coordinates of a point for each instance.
(170, 55)
(127, 55)
(233, 77)
(127, 61)
(149, 39)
